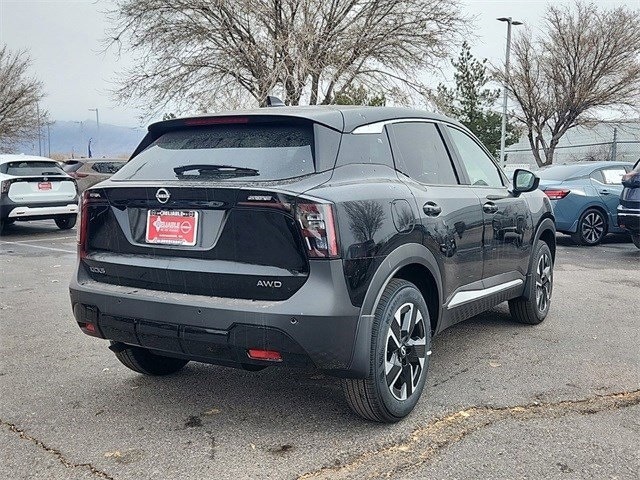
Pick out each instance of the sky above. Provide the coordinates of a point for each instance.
(65, 42)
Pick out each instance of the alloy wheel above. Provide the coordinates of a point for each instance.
(406, 350)
(593, 227)
(544, 282)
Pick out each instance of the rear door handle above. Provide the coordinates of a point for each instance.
(431, 209)
(605, 192)
(489, 207)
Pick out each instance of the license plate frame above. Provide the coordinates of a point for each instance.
(45, 186)
(172, 227)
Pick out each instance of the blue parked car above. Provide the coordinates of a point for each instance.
(585, 198)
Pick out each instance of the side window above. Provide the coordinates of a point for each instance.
(419, 152)
(613, 176)
(97, 167)
(480, 167)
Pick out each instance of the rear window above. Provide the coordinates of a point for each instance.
(31, 168)
(107, 167)
(248, 152)
(561, 172)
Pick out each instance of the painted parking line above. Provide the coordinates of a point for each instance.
(48, 239)
(22, 244)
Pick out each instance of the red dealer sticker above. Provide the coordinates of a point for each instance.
(172, 227)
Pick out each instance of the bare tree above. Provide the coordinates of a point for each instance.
(19, 97)
(585, 59)
(200, 54)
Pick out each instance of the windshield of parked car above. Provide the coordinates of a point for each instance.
(254, 152)
(560, 172)
(26, 168)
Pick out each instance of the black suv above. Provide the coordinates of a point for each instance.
(629, 208)
(341, 238)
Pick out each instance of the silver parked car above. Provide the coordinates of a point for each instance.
(36, 188)
(89, 171)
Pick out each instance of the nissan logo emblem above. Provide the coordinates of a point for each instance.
(163, 195)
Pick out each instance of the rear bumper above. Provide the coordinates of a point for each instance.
(9, 209)
(21, 212)
(317, 326)
(629, 219)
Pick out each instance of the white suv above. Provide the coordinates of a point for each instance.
(36, 188)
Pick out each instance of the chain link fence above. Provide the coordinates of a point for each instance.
(611, 141)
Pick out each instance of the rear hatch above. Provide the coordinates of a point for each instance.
(211, 210)
(33, 182)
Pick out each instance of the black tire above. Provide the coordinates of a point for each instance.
(65, 222)
(636, 240)
(592, 228)
(401, 305)
(143, 361)
(533, 307)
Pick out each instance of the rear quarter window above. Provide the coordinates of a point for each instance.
(367, 148)
(254, 152)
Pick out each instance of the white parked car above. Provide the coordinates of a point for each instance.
(36, 188)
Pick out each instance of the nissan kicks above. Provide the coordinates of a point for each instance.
(36, 188)
(341, 238)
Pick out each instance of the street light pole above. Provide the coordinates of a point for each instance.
(39, 129)
(98, 125)
(510, 21)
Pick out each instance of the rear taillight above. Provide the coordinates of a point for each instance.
(556, 194)
(317, 223)
(4, 186)
(82, 231)
(88, 198)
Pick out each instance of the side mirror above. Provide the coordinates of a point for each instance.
(524, 181)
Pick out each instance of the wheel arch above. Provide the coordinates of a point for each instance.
(409, 262)
(546, 232)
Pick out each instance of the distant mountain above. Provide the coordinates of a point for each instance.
(72, 138)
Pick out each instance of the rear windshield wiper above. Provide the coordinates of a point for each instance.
(206, 170)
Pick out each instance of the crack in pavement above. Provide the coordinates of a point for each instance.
(427, 441)
(57, 453)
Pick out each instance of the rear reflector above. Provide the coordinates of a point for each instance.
(270, 355)
(556, 194)
(89, 329)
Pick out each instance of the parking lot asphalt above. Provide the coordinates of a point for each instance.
(557, 400)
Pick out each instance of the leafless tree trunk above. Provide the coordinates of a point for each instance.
(201, 54)
(585, 60)
(19, 96)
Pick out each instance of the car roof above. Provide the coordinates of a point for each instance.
(585, 166)
(344, 118)
(6, 158)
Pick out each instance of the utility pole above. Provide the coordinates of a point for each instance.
(614, 145)
(39, 129)
(510, 21)
(97, 147)
(49, 138)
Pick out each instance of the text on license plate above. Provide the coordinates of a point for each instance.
(172, 227)
(44, 185)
